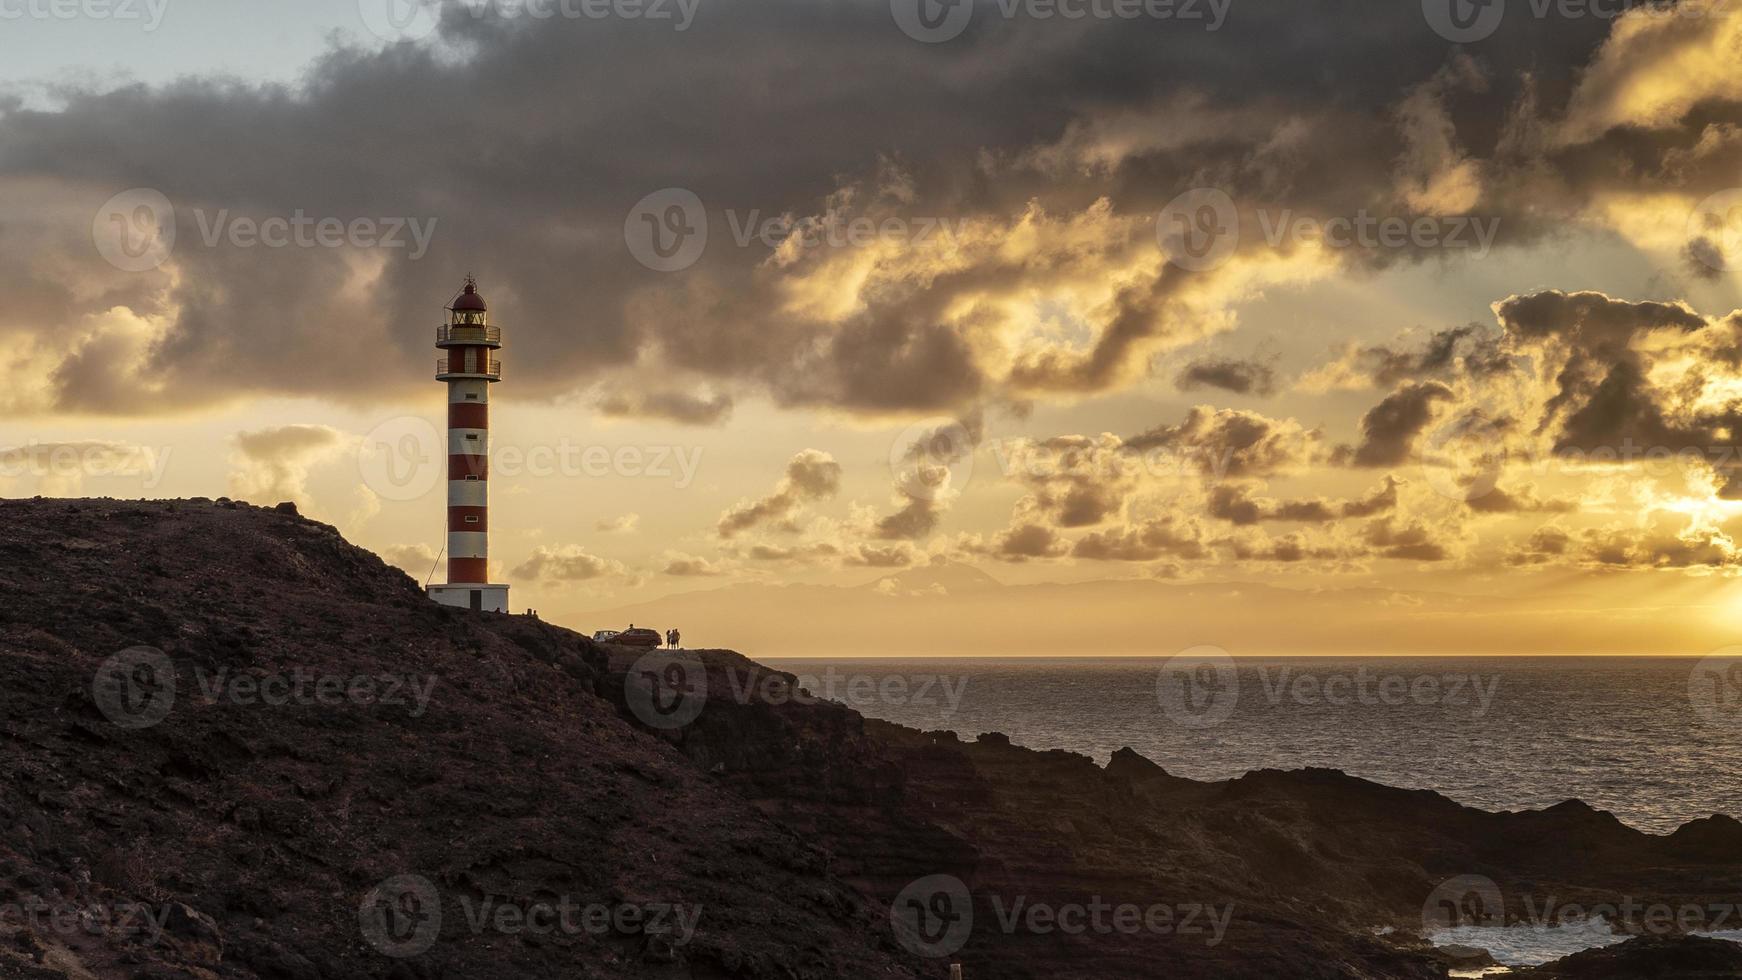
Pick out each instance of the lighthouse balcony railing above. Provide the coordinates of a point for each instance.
(493, 369)
(468, 333)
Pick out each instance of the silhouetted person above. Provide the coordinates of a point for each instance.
(676, 639)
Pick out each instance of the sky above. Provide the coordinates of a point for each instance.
(892, 325)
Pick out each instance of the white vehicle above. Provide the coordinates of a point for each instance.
(604, 636)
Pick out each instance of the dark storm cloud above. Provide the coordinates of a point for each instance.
(524, 146)
(1603, 394)
(1389, 429)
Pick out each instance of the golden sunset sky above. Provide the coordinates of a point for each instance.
(1311, 331)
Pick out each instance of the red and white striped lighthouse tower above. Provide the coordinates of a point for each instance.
(469, 370)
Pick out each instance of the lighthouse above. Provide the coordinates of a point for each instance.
(469, 369)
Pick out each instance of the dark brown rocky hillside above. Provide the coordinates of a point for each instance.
(262, 826)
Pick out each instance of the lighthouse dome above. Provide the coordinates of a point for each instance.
(469, 300)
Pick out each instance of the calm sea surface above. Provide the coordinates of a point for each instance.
(1652, 740)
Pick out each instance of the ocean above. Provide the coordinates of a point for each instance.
(1650, 739)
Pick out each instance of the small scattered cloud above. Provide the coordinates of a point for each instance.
(569, 563)
(621, 524)
(690, 566)
(1240, 376)
(667, 405)
(810, 475)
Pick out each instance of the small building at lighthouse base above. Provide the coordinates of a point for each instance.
(476, 597)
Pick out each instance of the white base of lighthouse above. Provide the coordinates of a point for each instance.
(478, 598)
